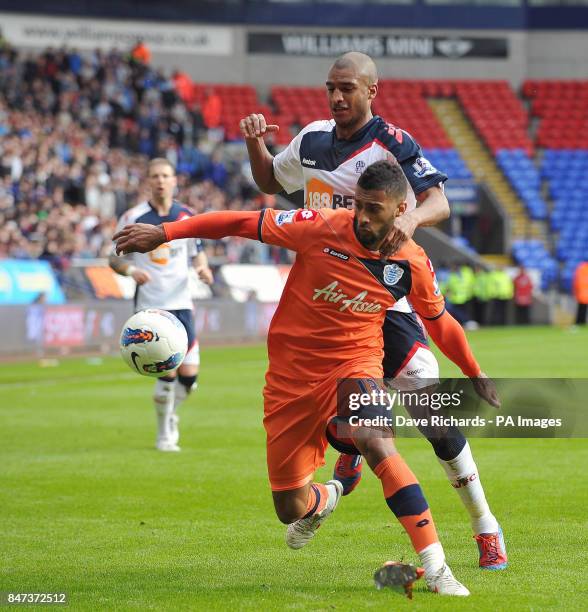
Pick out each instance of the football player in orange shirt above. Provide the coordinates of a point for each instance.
(327, 327)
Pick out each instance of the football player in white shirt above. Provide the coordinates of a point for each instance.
(162, 282)
(325, 159)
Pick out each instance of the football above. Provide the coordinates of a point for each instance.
(153, 342)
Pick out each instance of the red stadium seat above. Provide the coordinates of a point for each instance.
(562, 107)
(496, 113)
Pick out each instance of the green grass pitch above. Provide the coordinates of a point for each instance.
(87, 505)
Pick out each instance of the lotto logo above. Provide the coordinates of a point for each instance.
(306, 215)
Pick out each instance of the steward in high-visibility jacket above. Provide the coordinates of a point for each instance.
(456, 289)
(482, 295)
(581, 292)
(501, 292)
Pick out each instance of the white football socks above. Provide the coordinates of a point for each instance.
(432, 558)
(163, 399)
(462, 473)
(182, 393)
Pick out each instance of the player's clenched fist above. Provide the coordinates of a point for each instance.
(138, 238)
(254, 126)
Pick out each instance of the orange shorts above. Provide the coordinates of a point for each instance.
(296, 414)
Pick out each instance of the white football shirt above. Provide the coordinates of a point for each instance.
(328, 168)
(168, 265)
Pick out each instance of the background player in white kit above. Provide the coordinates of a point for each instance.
(162, 282)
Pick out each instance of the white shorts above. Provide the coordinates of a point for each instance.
(408, 362)
(421, 370)
(192, 357)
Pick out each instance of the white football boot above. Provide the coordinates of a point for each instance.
(445, 583)
(167, 446)
(300, 532)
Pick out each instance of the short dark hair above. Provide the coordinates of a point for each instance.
(160, 161)
(384, 176)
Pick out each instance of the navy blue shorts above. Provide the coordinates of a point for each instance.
(186, 318)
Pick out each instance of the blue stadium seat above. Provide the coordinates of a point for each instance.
(525, 179)
(450, 162)
(533, 254)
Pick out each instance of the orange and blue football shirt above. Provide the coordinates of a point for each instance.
(334, 302)
(337, 293)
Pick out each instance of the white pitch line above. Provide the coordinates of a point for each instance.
(97, 378)
(74, 379)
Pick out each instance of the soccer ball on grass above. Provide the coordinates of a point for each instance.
(153, 342)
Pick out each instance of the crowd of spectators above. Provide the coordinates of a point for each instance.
(75, 135)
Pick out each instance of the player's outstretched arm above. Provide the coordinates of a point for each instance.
(125, 268)
(449, 336)
(138, 238)
(253, 128)
(142, 237)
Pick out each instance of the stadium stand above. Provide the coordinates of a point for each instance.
(533, 254)
(525, 180)
(76, 135)
(564, 171)
(451, 162)
(99, 118)
(561, 108)
(496, 113)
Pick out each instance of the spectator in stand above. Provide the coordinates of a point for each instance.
(581, 292)
(72, 130)
(217, 171)
(197, 121)
(183, 84)
(140, 53)
(481, 290)
(523, 297)
(212, 109)
(75, 61)
(3, 42)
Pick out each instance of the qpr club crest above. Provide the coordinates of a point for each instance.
(392, 274)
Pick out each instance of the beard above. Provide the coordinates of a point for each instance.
(369, 239)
